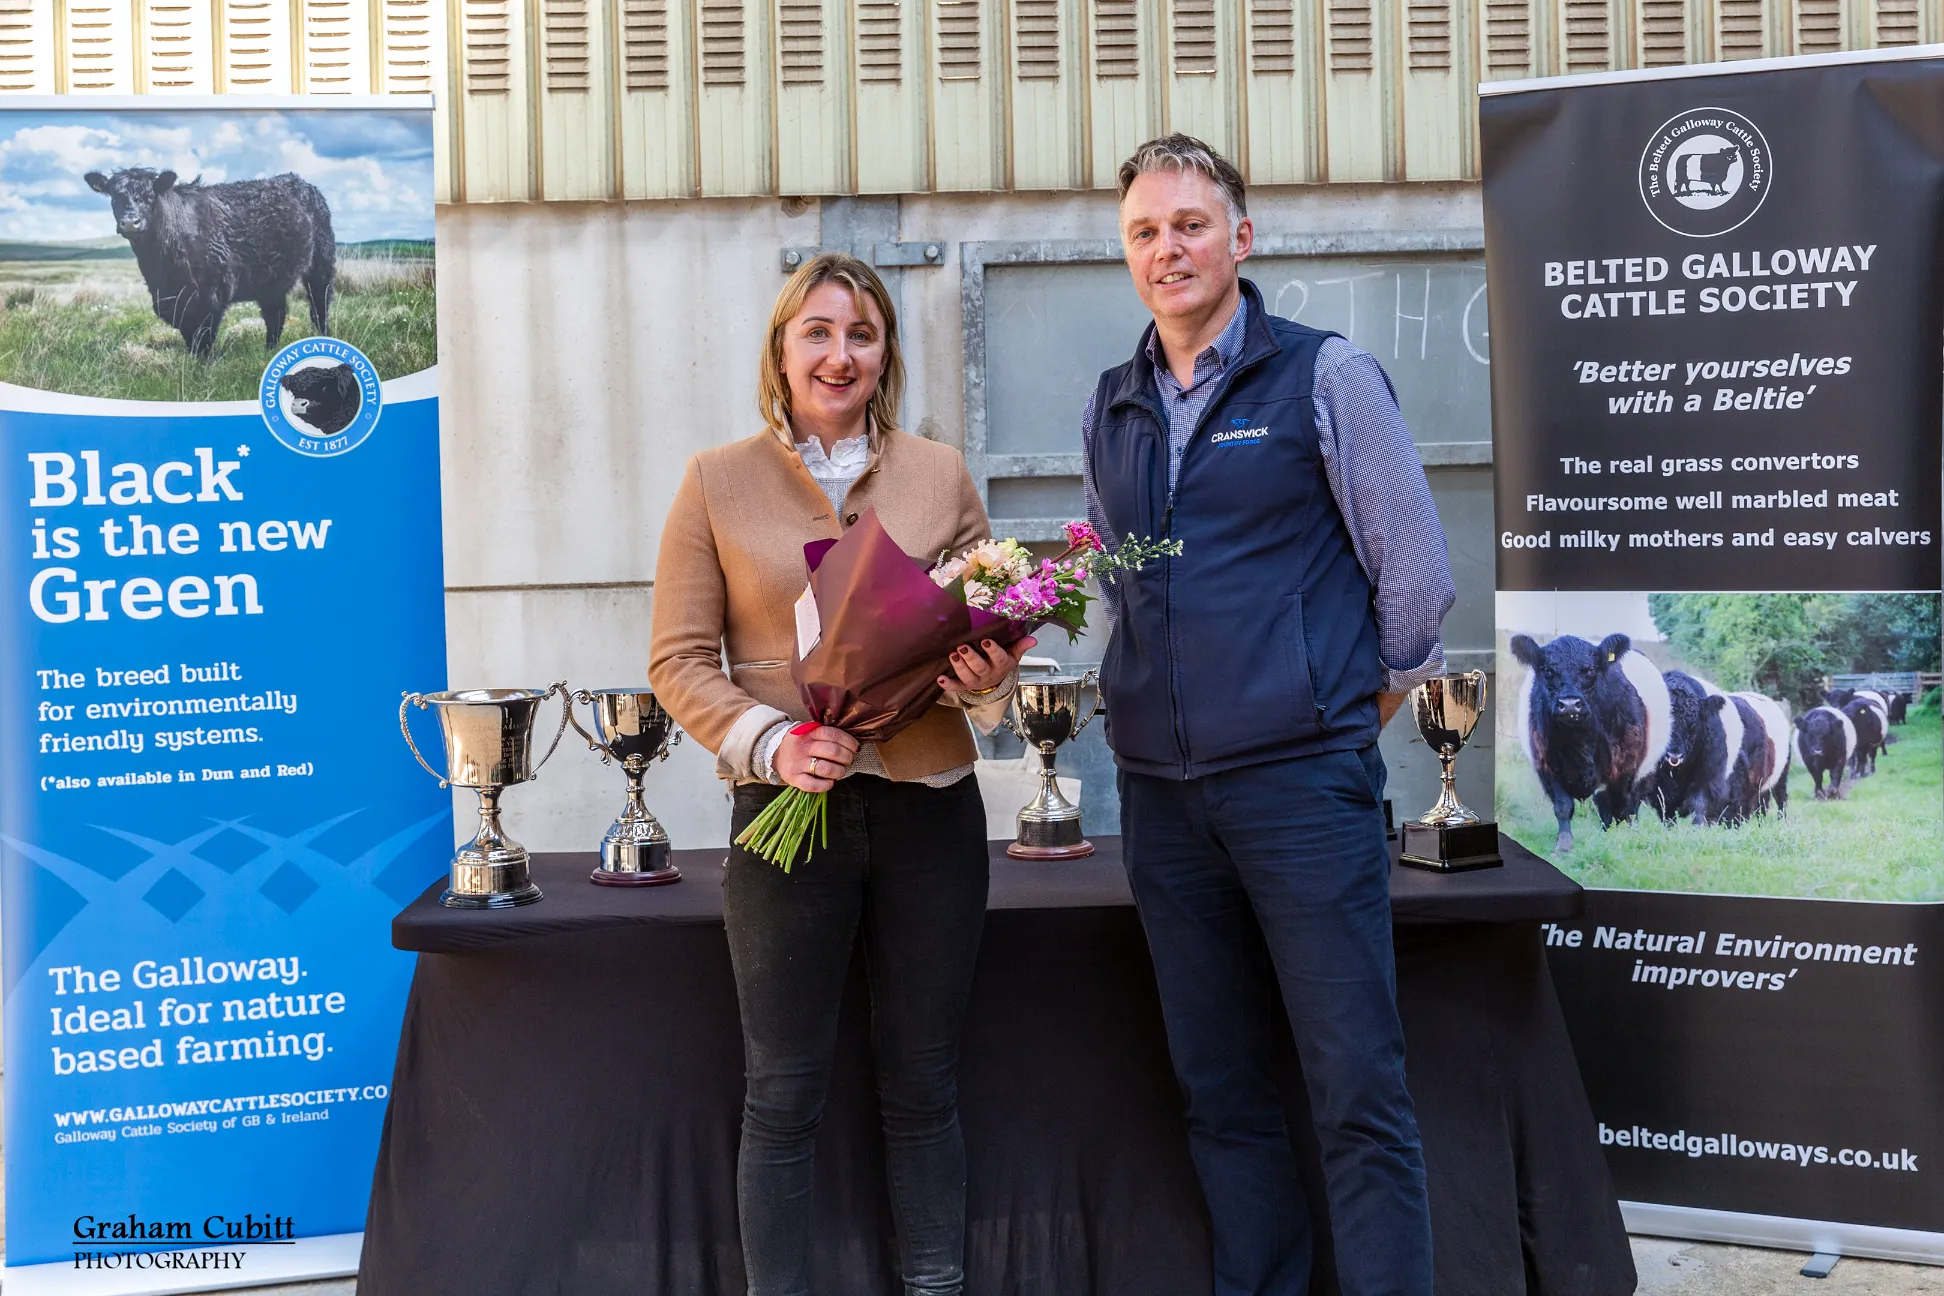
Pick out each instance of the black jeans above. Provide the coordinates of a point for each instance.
(907, 864)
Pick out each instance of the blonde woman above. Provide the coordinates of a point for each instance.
(905, 866)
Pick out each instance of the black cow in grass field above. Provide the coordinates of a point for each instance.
(1703, 745)
(202, 247)
(1871, 720)
(1824, 742)
(1594, 721)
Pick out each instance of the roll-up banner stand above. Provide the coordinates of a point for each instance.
(1716, 327)
(219, 458)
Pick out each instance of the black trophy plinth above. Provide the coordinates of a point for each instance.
(1454, 848)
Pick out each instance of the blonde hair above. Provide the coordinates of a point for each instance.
(847, 271)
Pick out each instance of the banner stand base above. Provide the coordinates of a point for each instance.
(1863, 1241)
(306, 1259)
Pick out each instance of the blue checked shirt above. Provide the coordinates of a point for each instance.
(1375, 476)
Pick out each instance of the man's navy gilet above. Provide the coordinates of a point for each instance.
(1259, 642)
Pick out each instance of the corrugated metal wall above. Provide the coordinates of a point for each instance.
(602, 99)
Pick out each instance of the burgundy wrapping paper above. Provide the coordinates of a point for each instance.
(887, 631)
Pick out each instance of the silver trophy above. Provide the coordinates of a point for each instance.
(631, 727)
(489, 746)
(1045, 713)
(1448, 837)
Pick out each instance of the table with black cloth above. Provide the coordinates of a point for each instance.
(565, 1111)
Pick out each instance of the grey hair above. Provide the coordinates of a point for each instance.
(1186, 153)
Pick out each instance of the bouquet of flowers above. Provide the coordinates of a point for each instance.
(874, 629)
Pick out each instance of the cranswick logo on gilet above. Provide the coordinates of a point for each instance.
(1705, 171)
(1238, 430)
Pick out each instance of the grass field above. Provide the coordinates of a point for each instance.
(1884, 840)
(85, 327)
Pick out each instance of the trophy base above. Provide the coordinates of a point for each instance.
(489, 879)
(1055, 837)
(1078, 850)
(1453, 849)
(634, 864)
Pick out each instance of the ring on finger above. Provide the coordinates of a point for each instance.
(813, 768)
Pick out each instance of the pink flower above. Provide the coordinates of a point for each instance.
(1032, 597)
(1082, 536)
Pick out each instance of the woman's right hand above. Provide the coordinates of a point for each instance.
(815, 760)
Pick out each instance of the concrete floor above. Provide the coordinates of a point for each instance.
(1672, 1268)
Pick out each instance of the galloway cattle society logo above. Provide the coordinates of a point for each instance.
(320, 397)
(1705, 171)
(1239, 430)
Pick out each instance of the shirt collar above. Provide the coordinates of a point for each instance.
(1215, 357)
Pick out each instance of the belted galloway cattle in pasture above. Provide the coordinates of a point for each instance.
(1703, 745)
(1761, 776)
(1594, 720)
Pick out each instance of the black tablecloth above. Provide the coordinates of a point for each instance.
(564, 1112)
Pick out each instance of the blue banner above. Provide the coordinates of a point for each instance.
(219, 457)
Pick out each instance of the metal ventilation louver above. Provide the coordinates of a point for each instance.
(1819, 26)
(327, 47)
(16, 45)
(409, 36)
(722, 43)
(1194, 37)
(1589, 44)
(1351, 47)
(1036, 39)
(564, 32)
(644, 44)
(1272, 37)
(1896, 22)
(91, 47)
(958, 40)
(1428, 32)
(171, 46)
(1663, 33)
(880, 41)
(1508, 35)
(800, 35)
(249, 32)
(1117, 39)
(1741, 29)
(488, 46)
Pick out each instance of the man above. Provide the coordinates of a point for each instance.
(1245, 684)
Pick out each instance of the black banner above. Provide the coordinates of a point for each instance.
(1775, 1057)
(1717, 314)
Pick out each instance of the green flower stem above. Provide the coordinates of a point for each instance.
(778, 832)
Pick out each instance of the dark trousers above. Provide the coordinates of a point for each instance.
(906, 864)
(1281, 871)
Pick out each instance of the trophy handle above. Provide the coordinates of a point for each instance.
(1093, 678)
(582, 695)
(405, 727)
(566, 713)
(1007, 720)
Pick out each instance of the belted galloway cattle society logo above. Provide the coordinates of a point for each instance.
(1705, 171)
(320, 397)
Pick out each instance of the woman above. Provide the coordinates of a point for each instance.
(906, 858)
